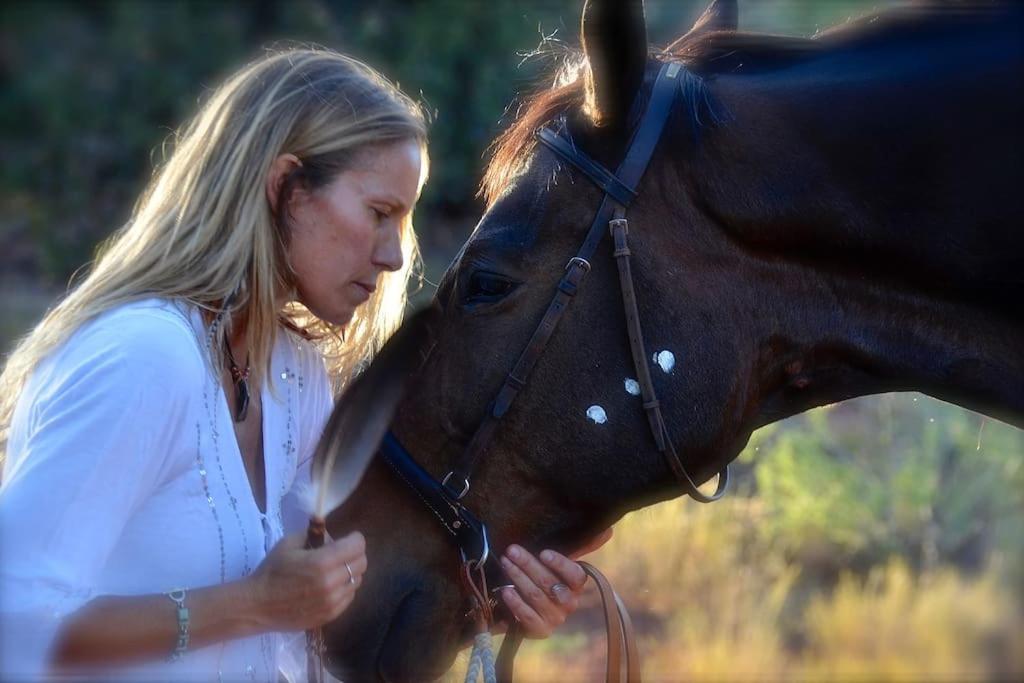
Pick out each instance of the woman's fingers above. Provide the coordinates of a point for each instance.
(532, 567)
(538, 587)
(531, 578)
(299, 587)
(341, 568)
(534, 626)
(344, 575)
(347, 548)
(347, 554)
(572, 575)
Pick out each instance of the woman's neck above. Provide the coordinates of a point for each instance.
(237, 337)
(238, 326)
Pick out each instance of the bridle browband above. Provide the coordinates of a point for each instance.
(443, 498)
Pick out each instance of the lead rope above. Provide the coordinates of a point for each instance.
(315, 535)
(481, 660)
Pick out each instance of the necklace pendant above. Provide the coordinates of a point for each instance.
(241, 400)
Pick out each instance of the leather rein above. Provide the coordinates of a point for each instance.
(443, 497)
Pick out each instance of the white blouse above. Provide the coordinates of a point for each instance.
(123, 477)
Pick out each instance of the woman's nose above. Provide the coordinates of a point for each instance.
(388, 254)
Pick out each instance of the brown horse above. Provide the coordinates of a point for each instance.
(821, 219)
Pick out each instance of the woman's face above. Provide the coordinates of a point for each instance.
(345, 234)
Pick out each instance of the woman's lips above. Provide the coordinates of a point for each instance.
(365, 290)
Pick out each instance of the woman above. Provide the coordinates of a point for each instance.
(269, 255)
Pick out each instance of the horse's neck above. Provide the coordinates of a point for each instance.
(819, 338)
(882, 188)
(899, 158)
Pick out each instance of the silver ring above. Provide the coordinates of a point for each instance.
(351, 576)
(558, 587)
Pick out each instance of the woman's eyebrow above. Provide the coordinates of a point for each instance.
(390, 199)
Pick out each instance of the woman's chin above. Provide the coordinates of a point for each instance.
(341, 319)
(339, 316)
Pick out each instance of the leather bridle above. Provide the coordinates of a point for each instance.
(444, 497)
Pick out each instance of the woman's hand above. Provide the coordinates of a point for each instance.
(296, 588)
(293, 589)
(546, 589)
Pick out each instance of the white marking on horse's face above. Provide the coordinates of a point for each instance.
(666, 360)
(632, 386)
(597, 414)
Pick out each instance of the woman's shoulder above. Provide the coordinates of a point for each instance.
(150, 336)
(140, 357)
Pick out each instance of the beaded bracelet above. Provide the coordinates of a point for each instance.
(178, 596)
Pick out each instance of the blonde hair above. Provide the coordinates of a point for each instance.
(203, 230)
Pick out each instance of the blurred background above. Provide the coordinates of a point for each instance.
(877, 539)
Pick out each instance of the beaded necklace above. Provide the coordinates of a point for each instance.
(240, 378)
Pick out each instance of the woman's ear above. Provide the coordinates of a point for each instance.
(279, 171)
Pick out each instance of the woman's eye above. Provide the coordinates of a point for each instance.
(487, 288)
(378, 214)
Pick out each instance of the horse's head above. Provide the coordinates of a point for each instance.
(738, 334)
(575, 451)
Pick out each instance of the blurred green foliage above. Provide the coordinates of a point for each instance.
(927, 482)
(93, 89)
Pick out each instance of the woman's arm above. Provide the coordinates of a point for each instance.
(292, 590)
(115, 630)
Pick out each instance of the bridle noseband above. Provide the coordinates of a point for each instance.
(443, 498)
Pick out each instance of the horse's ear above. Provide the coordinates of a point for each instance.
(614, 37)
(721, 15)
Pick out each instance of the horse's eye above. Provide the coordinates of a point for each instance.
(487, 288)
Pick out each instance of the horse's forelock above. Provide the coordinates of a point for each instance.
(511, 149)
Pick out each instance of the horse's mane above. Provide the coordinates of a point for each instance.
(707, 56)
(713, 53)
(508, 153)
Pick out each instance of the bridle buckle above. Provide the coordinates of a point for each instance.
(584, 263)
(465, 487)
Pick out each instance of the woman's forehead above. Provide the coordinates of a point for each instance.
(393, 171)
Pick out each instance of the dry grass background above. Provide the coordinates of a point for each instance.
(704, 614)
